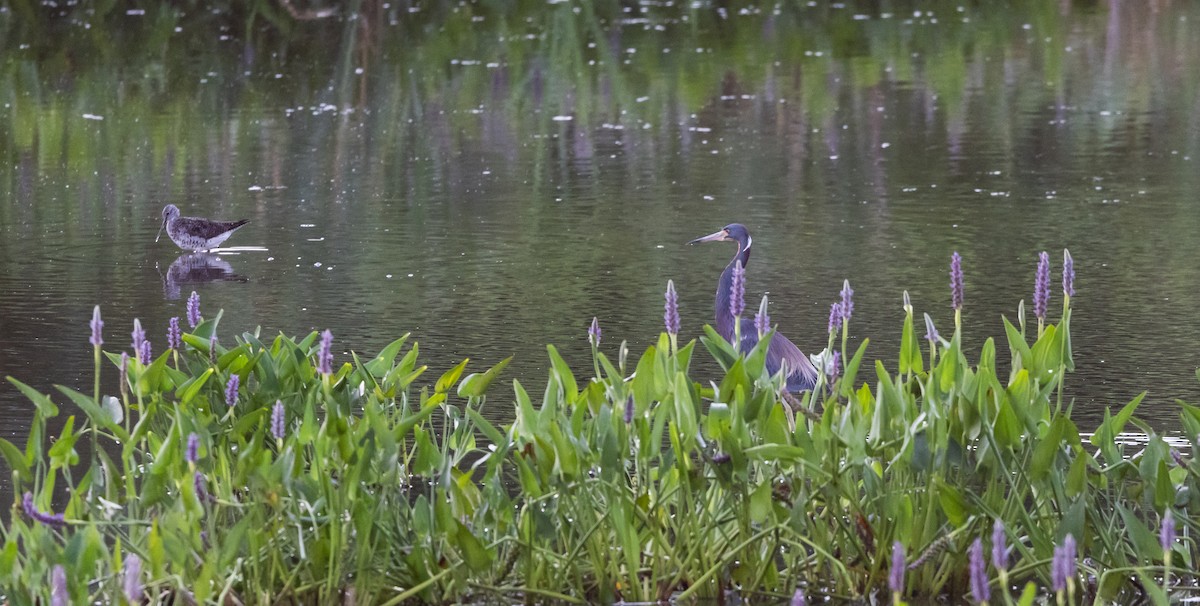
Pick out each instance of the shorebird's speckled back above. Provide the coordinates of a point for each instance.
(193, 233)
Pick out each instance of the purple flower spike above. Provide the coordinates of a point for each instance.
(999, 546)
(1041, 286)
(1068, 274)
(31, 511)
(174, 336)
(896, 574)
(132, 579)
(1166, 534)
(737, 290)
(231, 391)
(278, 420)
(762, 322)
(144, 354)
(931, 333)
(835, 317)
(978, 569)
(325, 354)
(200, 486)
(97, 325)
(847, 300)
(956, 282)
(629, 410)
(798, 598)
(212, 349)
(1062, 567)
(594, 332)
(138, 335)
(835, 366)
(59, 596)
(671, 309)
(193, 309)
(192, 454)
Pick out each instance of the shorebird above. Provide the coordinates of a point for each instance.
(802, 375)
(194, 233)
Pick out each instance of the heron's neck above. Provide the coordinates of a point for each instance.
(725, 319)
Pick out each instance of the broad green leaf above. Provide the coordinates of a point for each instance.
(41, 401)
(15, 458)
(760, 501)
(565, 377)
(953, 504)
(450, 377)
(476, 384)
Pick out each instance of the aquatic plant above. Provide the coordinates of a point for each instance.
(650, 480)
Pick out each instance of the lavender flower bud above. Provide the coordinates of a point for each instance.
(594, 332)
(1062, 566)
(978, 569)
(835, 366)
(144, 354)
(325, 354)
(278, 420)
(956, 282)
(212, 349)
(1041, 286)
(931, 333)
(97, 325)
(192, 453)
(1166, 534)
(200, 487)
(629, 410)
(847, 301)
(671, 309)
(762, 322)
(132, 579)
(1068, 274)
(193, 309)
(174, 335)
(231, 391)
(908, 308)
(59, 596)
(32, 512)
(835, 317)
(999, 546)
(139, 336)
(737, 290)
(896, 574)
(798, 598)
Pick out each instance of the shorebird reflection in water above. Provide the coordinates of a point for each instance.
(194, 233)
(197, 268)
(802, 375)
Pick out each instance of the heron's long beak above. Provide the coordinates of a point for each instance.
(160, 230)
(720, 236)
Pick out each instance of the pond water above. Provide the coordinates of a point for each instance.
(490, 177)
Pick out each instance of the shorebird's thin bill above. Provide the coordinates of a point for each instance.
(715, 237)
(160, 230)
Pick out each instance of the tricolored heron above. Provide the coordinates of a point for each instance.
(802, 375)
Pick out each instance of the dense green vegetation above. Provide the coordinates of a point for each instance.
(261, 471)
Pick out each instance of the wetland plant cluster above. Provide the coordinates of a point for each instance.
(268, 472)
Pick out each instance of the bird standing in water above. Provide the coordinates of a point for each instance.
(802, 375)
(193, 233)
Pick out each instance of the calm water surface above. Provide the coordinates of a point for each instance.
(490, 182)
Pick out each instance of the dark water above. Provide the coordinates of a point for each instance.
(490, 177)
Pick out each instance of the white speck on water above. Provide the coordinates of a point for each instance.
(885, 145)
(660, 246)
(254, 188)
(707, 197)
(388, 276)
(317, 264)
(321, 239)
(270, 258)
(92, 117)
(487, 172)
(954, 225)
(358, 70)
(833, 157)
(135, 12)
(563, 118)
(642, 99)
(410, 275)
(308, 225)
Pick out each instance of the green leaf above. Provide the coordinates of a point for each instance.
(760, 501)
(1028, 595)
(16, 459)
(1047, 449)
(188, 390)
(565, 377)
(852, 368)
(98, 415)
(476, 555)
(953, 504)
(476, 384)
(489, 431)
(379, 366)
(1017, 345)
(41, 401)
(450, 377)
